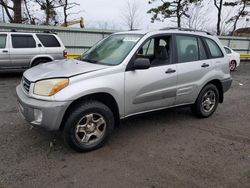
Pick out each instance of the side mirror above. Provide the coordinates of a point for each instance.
(141, 63)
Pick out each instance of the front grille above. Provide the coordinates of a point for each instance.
(26, 84)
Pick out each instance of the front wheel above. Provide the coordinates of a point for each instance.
(207, 101)
(88, 126)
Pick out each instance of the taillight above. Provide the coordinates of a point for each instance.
(65, 53)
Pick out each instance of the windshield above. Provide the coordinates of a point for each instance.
(112, 50)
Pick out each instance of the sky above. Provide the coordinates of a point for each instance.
(108, 13)
(97, 12)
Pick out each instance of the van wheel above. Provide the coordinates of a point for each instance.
(40, 61)
(88, 126)
(232, 65)
(207, 101)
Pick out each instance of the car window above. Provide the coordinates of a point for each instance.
(202, 51)
(157, 50)
(187, 48)
(23, 41)
(3, 41)
(111, 50)
(147, 49)
(214, 48)
(48, 40)
(228, 51)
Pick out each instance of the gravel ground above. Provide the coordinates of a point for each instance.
(170, 148)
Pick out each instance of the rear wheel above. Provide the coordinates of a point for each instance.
(207, 101)
(88, 126)
(233, 65)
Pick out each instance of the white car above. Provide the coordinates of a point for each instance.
(234, 58)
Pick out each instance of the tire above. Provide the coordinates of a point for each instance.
(233, 65)
(89, 126)
(203, 106)
(40, 61)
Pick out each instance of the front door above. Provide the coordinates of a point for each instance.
(153, 88)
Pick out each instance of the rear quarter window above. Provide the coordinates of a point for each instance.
(23, 41)
(48, 40)
(228, 51)
(214, 49)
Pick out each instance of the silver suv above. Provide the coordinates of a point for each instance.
(24, 50)
(125, 74)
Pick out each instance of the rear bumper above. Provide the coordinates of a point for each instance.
(45, 114)
(226, 84)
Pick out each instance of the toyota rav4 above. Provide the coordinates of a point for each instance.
(125, 74)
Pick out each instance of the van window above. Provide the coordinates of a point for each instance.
(23, 41)
(214, 49)
(3, 41)
(187, 48)
(48, 40)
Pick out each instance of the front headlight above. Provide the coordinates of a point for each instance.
(50, 87)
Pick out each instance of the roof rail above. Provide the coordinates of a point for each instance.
(185, 29)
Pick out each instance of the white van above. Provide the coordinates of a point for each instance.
(23, 50)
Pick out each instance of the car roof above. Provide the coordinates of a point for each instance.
(168, 31)
(20, 32)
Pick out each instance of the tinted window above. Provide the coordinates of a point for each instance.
(187, 48)
(202, 51)
(23, 41)
(228, 51)
(3, 41)
(214, 49)
(48, 40)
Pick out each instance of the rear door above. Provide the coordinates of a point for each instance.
(155, 87)
(193, 65)
(4, 52)
(51, 45)
(24, 49)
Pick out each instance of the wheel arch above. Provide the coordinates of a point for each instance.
(218, 84)
(105, 98)
(40, 57)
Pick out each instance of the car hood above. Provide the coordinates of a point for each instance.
(61, 68)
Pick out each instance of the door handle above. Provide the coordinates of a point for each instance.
(204, 65)
(5, 51)
(169, 71)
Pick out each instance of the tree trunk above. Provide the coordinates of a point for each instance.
(178, 15)
(17, 8)
(65, 13)
(219, 8)
(7, 10)
(238, 17)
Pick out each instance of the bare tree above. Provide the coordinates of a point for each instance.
(218, 4)
(131, 14)
(16, 8)
(49, 7)
(197, 18)
(66, 7)
(242, 12)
